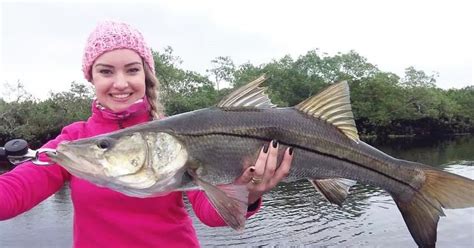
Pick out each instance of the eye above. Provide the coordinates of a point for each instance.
(134, 70)
(105, 71)
(103, 144)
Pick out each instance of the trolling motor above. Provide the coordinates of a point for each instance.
(17, 151)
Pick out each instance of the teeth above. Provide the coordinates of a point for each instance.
(121, 95)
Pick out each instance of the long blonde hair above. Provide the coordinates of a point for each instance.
(152, 88)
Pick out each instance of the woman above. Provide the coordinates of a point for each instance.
(120, 66)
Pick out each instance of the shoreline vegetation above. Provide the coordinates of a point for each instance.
(385, 105)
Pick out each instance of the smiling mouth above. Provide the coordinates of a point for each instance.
(121, 96)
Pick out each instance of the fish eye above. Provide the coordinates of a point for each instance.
(103, 144)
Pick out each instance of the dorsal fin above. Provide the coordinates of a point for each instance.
(334, 106)
(249, 95)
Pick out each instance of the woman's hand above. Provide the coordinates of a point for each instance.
(264, 175)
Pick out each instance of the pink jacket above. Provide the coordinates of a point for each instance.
(102, 217)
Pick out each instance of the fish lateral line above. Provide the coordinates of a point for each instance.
(302, 148)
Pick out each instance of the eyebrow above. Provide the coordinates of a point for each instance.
(133, 63)
(103, 65)
(127, 65)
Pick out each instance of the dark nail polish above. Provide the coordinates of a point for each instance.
(291, 151)
(274, 143)
(265, 148)
(252, 170)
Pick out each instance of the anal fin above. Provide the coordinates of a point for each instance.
(335, 190)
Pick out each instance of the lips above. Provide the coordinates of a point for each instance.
(121, 96)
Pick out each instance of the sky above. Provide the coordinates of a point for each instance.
(42, 42)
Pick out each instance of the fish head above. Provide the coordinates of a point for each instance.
(136, 164)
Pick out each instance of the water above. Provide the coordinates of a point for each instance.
(294, 214)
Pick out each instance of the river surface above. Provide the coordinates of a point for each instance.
(295, 214)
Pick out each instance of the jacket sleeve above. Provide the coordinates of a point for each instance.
(27, 184)
(207, 214)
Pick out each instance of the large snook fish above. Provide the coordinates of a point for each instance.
(209, 148)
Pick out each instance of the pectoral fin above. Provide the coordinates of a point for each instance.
(230, 201)
(334, 190)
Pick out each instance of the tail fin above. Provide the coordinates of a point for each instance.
(440, 190)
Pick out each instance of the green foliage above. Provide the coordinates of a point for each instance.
(246, 73)
(222, 69)
(415, 79)
(39, 121)
(383, 103)
(287, 84)
(377, 98)
(462, 101)
(182, 90)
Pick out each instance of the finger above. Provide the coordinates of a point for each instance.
(271, 161)
(260, 163)
(284, 168)
(246, 176)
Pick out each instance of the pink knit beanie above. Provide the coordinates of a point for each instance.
(109, 36)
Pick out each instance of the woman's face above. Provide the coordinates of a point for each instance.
(119, 79)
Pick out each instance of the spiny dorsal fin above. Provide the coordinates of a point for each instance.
(249, 95)
(334, 106)
(335, 190)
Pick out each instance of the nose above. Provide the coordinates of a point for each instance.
(120, 81)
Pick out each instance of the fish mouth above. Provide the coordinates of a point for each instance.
(76, 165)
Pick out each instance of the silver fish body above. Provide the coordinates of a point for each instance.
(222, 142)
(209, 148)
